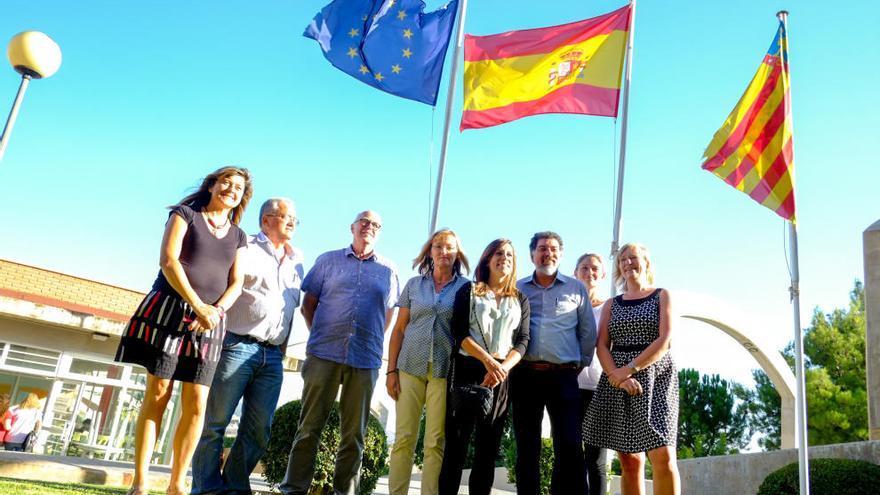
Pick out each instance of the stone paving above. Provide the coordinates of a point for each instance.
(100, 472)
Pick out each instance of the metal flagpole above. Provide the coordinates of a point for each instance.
(800, 398)
(618, 205)
(453, 77)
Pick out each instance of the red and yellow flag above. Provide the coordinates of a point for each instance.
(572, 68)
(753, 149)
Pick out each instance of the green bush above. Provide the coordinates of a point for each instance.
(374, 463)
(837, 476)
(227, 442)
(506, 440)
(546, 463)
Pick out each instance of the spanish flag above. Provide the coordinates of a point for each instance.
(572, 68)
(753, 149)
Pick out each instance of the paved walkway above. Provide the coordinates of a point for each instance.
(26, 466)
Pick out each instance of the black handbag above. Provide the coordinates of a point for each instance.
(30, 441)
(470, 399)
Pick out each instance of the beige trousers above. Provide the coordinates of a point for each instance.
(416, 393)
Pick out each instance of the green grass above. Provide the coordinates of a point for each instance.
(9, 486)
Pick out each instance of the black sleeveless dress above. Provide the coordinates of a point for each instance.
(157, 336)
(618, 421)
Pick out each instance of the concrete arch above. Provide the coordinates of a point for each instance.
(749, 334)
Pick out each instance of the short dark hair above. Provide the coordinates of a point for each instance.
(547, 234)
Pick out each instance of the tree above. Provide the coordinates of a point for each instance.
(765, 410)
(710, 421)
(837, 400)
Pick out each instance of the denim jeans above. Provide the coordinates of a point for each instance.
(253, 373)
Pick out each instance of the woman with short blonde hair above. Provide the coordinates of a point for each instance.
(635, 409)
(22, 420)
(418, 359)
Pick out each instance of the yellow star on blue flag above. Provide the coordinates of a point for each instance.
(392, 45)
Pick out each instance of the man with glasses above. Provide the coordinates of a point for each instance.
(349, 303)
(563, 336)
(258, 327)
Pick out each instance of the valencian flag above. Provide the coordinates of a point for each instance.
(753, 149)
(391, 45)
(572, 68)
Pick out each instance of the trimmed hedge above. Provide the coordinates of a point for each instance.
(546, 467)
(837, 476)
(374, 463)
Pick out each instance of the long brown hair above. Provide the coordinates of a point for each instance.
(425, 263)
(202, 196)
(481, 272)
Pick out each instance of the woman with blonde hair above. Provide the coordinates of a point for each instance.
(177, 331)
(490, 322)
(636, 405)
(22, 420)
(418, 359)
(590, 270)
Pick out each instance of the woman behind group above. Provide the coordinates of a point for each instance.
(490, 323)
(590, 269)
(20, 420)
(176, 332)
(636, 405)
(418, 359)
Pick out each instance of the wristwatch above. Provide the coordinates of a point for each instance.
(632, 365)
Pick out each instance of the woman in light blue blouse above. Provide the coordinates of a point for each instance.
(418, 359)
(490, 323)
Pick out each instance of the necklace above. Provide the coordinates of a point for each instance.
(214, 228)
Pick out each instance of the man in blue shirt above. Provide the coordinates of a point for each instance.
(563, 335)
(348, 305)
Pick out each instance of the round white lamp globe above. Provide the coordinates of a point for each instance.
(34, 54)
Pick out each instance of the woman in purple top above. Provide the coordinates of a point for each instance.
(177, 331)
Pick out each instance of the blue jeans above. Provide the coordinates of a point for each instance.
(247, 371)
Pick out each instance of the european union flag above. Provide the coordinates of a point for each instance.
(392, 45)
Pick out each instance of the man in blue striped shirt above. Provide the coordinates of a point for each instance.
(349, 303)
(563, 335)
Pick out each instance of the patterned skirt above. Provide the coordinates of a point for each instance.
(158, 338)
(615, 420)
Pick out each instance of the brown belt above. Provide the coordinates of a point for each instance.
(547, 366)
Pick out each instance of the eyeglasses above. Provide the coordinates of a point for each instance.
(286, 218)
(366, 222)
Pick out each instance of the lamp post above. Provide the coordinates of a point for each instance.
(35, 56)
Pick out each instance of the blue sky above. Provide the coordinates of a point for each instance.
(153, 95)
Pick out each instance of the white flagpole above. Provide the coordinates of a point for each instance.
(618, 205)
(453, 77)
(801, 397)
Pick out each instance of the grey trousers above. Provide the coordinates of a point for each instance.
(321, 383)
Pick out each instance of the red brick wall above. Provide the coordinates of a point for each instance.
(66, 291)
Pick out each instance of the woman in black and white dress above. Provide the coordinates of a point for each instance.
(636, 405)
(176, 333)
